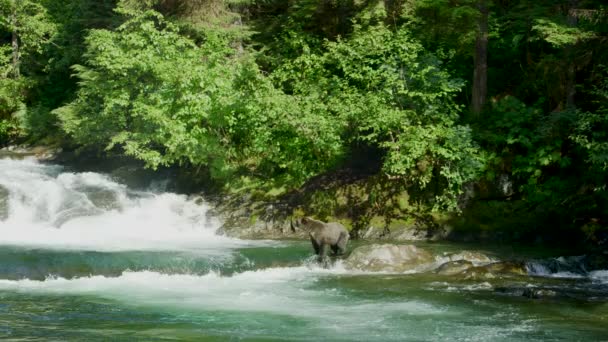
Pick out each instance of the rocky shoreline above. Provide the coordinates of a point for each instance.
(510, 277)
(248, 219)
(44, 153)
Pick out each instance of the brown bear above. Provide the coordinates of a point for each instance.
(324, 236)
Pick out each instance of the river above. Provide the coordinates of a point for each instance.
(84, 258)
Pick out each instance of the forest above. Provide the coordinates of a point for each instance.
(501, 101)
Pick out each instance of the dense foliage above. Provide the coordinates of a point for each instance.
(430, 95)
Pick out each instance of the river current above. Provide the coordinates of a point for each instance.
(84, 257)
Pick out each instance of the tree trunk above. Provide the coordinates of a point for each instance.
(480, 71)
(15, 43)
(571, 71)
(393, 11)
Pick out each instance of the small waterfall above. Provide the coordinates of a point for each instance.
(43, 205)
(505, 184)
(561, 267)
(538, 268)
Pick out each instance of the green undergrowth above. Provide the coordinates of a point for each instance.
(356, 201)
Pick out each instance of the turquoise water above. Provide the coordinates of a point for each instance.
(85, 258)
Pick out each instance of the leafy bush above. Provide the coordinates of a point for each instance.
(150, 91)
(381, 89)
(164, 100)
(557, 160)
(8, 131)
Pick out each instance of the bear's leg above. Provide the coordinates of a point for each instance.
(341, 244)
(315, 245)
(323, 249)
(335, 249)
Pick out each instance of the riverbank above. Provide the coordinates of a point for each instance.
(373, 212)
(362, 202)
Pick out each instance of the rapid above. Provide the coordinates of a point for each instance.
(83, 256)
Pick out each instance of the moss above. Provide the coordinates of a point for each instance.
(403, 201)
(275, 192)
(442, 217)
(378, 221)
(342, 198)
(348, 223)
(398, 224)
(298, 212)
(258, 195)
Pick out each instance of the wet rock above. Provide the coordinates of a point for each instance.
(244, 217)
(454, 267)
(103, 198)
(253, 226)
(458, 263)
(417, 234)
(389, 258)
(476, 258)
(133, 176)
(23, 151)
(404, 234)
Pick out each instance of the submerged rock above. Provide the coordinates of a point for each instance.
(537, 293)
(496, 269)
(104, 199)
(507, 267)
(389, 258)
(555, 291)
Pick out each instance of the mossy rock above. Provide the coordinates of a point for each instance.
(497, 269)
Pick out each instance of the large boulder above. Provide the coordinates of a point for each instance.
(390, 258)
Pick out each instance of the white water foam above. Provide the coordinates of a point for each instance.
(51, 208)
(293, 292)
(599, 276)
(283, 291)
(540, 269)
